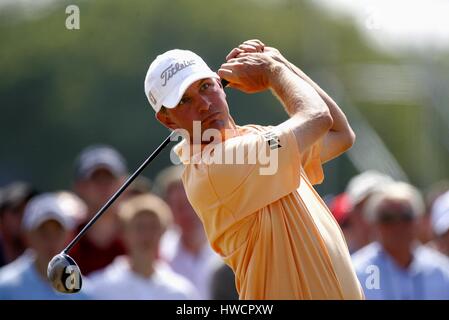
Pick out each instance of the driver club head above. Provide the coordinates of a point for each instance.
(64, 274)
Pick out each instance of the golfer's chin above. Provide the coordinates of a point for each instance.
(214, 129)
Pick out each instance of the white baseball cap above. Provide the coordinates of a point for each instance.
(99, 156)
(170, 74)
(364, 184)
(45, 207)
(439, 217)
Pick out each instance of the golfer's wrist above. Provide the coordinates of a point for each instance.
(276, 73)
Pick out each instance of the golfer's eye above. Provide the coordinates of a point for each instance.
(183, 100)
(205, 85)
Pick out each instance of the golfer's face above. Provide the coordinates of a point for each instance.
(203, 101)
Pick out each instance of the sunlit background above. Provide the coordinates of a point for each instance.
(386, 63)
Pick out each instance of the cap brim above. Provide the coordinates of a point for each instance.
(441, 226)
(102, 166)
(65, 224)
(172, 100)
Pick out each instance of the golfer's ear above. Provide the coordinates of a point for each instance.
(164, 118)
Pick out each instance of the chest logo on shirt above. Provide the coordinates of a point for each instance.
(272, 140)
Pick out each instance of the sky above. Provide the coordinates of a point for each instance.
(397, 26)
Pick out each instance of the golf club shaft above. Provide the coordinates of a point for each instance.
(118, 193)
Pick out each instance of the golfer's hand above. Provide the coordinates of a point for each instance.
(255, 45)
(249, 72)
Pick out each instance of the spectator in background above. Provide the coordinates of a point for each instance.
(140, 275)
(340, 208)
(425, 230)
(141, 185)
(13, 199)
(185, 246)
(397, 266)
(77, 209)
(440, 223)
(359, 189)
(47, 227)
(99, 171)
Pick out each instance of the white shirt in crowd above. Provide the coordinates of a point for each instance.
(427, 277)
(119, 282)
(20, 280)
(198, 269)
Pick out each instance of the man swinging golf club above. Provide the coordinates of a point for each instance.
(271, 227)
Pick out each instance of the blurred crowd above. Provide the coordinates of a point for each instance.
(398, 237)
(151, 245)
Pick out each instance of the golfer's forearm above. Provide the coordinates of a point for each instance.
(309, 116)
(297, 96)
(340, 122)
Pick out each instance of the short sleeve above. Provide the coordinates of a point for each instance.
(311, 163)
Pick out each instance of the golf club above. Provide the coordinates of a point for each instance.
(63, 272)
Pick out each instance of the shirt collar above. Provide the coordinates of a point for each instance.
(182, 149)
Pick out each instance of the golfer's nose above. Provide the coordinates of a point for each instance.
(203, 103)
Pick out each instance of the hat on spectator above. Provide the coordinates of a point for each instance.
(73, 206)
(45, 207)
(99, 156)
(15, 193)
(440, 214)
(362, 185)
(396, 195)
(340, 208)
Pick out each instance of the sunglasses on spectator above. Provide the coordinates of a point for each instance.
(390, 217)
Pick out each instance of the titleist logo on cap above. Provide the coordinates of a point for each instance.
(171, 70)
(152, 98)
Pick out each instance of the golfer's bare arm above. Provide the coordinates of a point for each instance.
(340, 136)
(310, 118)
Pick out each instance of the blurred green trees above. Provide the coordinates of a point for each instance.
(61, 90)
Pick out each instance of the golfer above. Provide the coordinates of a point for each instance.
(260, 211)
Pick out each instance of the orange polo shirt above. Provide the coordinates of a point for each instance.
(273, 230)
